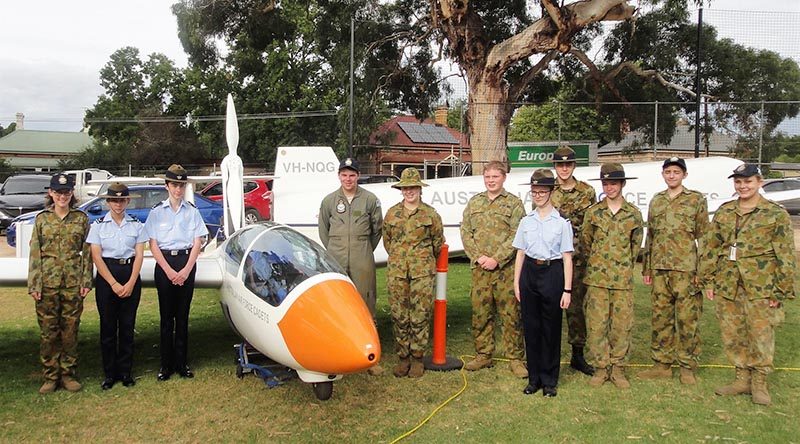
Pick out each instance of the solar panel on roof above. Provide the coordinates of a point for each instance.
(427, 133)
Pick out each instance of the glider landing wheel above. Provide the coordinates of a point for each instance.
(239, 370)
(323, 390)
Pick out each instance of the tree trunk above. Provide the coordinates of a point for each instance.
(489, 115)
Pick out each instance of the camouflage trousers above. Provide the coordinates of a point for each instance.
(609, 321)
(59, 315)
(747, 328)
(677, 307)
(493, 294)
(576, 318)
(411, 306)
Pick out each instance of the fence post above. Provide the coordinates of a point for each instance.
(760, 132)
(655, 133)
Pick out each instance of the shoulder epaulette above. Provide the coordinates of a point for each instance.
(132, 218)
(191, 203)
(99, 221)
(156, 205)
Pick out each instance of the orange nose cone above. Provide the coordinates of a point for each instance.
(329, 329)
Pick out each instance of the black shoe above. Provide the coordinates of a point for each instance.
(549, 392)
(531, 389)
(185, 372)
(164, 374)
(107, 383)
(579, 363)
(127, 380)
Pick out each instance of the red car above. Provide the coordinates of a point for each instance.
(257, 198)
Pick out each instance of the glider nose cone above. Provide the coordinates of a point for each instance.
(329, 329)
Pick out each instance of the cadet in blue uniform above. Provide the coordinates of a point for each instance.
(117, 241)
(176, 229)
(543, 283)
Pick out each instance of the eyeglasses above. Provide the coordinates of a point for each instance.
(540, 193)
(63, 192)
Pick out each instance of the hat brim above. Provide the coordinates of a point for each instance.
(167, 179)
(614, 178)
(61, 187)
(741, 175)
(569, 160)
(399, 185)
(551, 185)
(108, 196)
(349, 167)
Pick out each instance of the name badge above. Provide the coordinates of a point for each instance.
(340, 207)
(732, 254)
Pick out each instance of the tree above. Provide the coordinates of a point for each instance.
(547, 122)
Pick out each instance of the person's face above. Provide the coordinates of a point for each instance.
(176, 190)
(411, 195)
(673, 176)
(564, 170)
(612, 188)
(494, 180)
(117, 204)
(61, 198)
(747, 187)
(349, 179)
(540, 195)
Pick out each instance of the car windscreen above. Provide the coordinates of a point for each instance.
(27, 185)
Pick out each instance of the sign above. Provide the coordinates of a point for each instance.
(534, 156)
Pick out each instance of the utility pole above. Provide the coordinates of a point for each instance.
(698, 63)
(350, 133)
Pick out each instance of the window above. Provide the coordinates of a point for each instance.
(249, 186)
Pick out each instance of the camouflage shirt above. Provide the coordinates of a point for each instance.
(611, 243)
(673, 227)
(765, 260)
(572, 205)
(412, 240)
(488, 227)
(60, 256)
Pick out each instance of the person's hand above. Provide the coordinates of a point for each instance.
(181, 276)
(37, 296)
(774, 303)
(647, 279)
(516, 293)
(566, 299)
(85, 291)
(118, 289)
(710, 294)
(489, 264)
(127, 289)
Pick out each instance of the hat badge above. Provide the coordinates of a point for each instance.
(118, 193)
(740, 168)
(606, 175)
(348, 162)
(564, 157)
(673, 159)
(62, 179)
(535, 182)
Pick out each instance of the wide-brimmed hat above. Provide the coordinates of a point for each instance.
(543, 178)
(612, 171)
(409, 178)
(62, 181)
(117, 190)
(564, 154)
(677, 161)
(746, 170)
(349, 163)
(175, 173)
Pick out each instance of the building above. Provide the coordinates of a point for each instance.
(31, 150)
(634, 148)
(431, 146)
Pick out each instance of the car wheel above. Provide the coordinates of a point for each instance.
(251, 216)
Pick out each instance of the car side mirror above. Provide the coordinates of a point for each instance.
(95, 209)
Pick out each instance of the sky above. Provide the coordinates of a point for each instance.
(52, 50)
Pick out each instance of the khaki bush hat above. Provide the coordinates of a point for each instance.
(409, 178)
(542, 177)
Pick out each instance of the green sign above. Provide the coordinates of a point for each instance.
(528, 156)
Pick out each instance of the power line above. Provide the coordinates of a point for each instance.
(167, 119)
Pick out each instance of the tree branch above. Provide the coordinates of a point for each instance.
(515, 91)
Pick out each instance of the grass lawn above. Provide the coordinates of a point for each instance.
(216, 406)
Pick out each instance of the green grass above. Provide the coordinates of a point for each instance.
(216, 406)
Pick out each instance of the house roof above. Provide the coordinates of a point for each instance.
(682, 140)
(409, 132)
(22, 142)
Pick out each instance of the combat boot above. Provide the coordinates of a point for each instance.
(740, 386)
(49, 386)
(70, 384)
(618, 377)
(599, 378)
(518, 368)
(402, 367)
(479, 362)
(687, 376)
(375, 370)
(759, 389)
(417, 368)
(657, 371)
(578, 362)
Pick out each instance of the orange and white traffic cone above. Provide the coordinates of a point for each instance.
(439, 359)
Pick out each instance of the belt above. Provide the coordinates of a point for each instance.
(123, 261)
(545, 261)
(175, 252)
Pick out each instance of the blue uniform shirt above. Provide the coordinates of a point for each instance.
(175, 230)
(544, 238)
(117, 241)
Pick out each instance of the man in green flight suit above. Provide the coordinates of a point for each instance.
(350, 227)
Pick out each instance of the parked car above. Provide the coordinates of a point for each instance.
(22, 194)
(770, 185)
(257, 198)
(149, 195)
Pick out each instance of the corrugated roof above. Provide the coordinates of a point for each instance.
(44, 142)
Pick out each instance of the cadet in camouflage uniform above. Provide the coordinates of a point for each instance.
(676, 220)
(413, 236)
(748, 267)
(350, 225)
(611, 236)
(571, 198)
(59, 277)
(488, 227)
